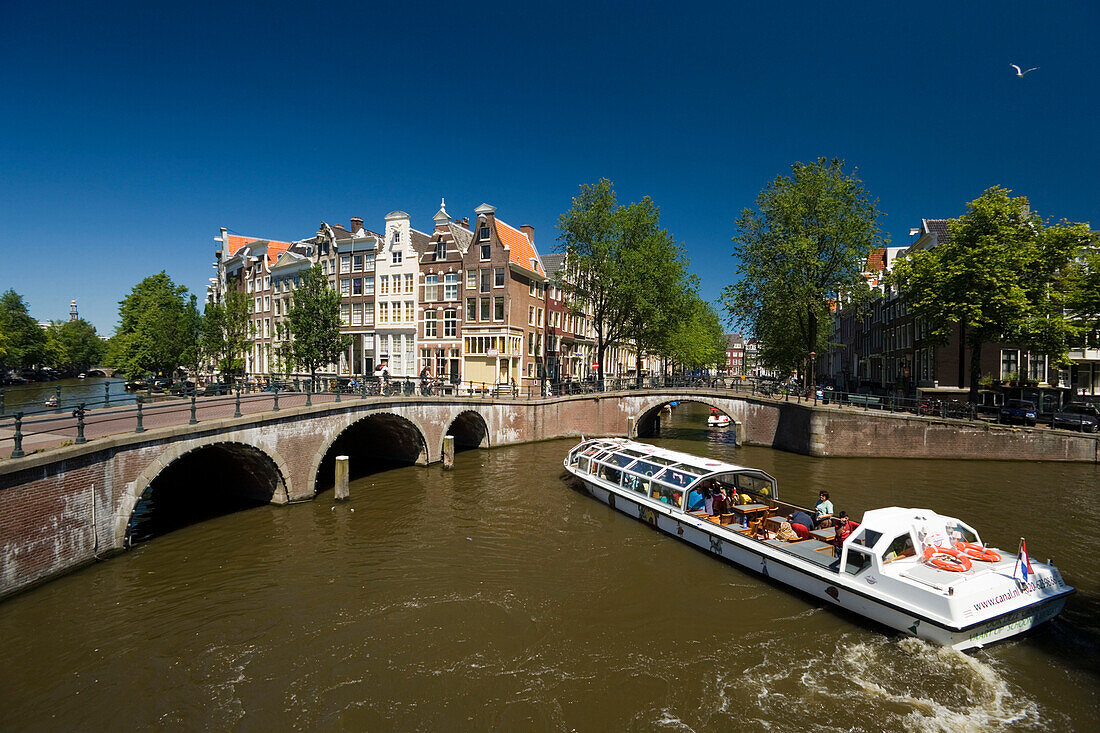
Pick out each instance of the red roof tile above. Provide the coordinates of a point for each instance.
(274, 248)
(520, 249)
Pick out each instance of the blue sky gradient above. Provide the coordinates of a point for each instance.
(131, 132)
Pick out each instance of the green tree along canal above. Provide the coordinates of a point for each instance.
(497, 595)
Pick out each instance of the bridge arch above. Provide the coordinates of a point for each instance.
(257, 476)
(386, 436)
(470, 430)
(650, 410)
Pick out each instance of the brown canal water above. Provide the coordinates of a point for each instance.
(496, 596)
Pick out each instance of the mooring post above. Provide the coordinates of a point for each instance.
(342, 492)
(17, 452)
(448, 451)
(140, 428)
(631, 427)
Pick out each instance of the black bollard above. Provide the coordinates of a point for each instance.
(57, 396)
(338, 391)
(78, 413)
(140, 428)
(107, 395)
(237, 409)
(275, 404)
(17, 451)
(193, 419)
(309, 393)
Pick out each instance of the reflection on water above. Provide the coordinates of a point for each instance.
(93, 391)
(498, 596)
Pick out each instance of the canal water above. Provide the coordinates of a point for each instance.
(31, 398)
(497, 596)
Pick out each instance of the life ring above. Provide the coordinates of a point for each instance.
(978, 552)
(947, 558)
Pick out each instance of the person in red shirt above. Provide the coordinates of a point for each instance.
(843, 531)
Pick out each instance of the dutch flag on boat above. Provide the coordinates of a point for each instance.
(1023, 562)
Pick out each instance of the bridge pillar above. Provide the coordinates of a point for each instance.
(632, 427)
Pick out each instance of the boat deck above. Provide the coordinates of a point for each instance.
(818, 552)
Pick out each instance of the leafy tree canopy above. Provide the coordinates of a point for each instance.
(1000, 276)
(75, 345)
(225, 332)
(804, 245)
(622, 267)
(314, 321)
(697, 339)
(156, 331)
(26, 343)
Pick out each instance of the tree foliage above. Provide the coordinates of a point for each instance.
(314, 321)
(697, 339)
(623, 268)
(156, 331)
(1000, 276)
(74, 345)
(804, 245)
(225, 332)
(27, 343)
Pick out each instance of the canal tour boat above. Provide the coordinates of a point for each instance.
(912, 570)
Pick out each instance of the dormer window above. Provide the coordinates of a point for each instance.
(483, 233)
(396, 237)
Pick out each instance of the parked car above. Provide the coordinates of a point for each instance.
(1018, 411)
(183, 389)
(1077, 416)
(215, 389)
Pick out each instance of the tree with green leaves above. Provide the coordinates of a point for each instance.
(27, 343)
(697, 339)
(804, 245)
(226, 332)
(314, 321)
(1000, 277)
(621, 267)
(1083, 291)
(156, 331)
(76, 345)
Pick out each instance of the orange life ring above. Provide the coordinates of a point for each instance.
(947, 558)
(978, 552)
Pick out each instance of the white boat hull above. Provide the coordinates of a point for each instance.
(833, 589)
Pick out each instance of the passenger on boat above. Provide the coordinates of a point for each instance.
(843, 531)
(708, 500)
(720, 504)
(823, 509)
(802, 523)
(787, 534)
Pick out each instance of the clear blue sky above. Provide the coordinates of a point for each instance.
(130, 132)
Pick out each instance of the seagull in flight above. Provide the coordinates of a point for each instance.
(1021, 73)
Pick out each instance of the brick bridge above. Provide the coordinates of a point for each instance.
(68, 505)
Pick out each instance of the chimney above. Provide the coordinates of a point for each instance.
(529, 231)
(466, 222)
(356, 224)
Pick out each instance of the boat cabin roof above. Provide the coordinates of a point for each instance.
(682, 470)
(880, 528)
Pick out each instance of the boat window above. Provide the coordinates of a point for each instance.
(867, 537)
(620, 460)
(645, 468)
(582, 464)
(666, 494)
(635, 483)
(902, 546)
(611, 474)
(857, 562)
(696, 501)
(959, 532)
(694, 470)
(754, 484)
(678, 478)
(635, 453)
